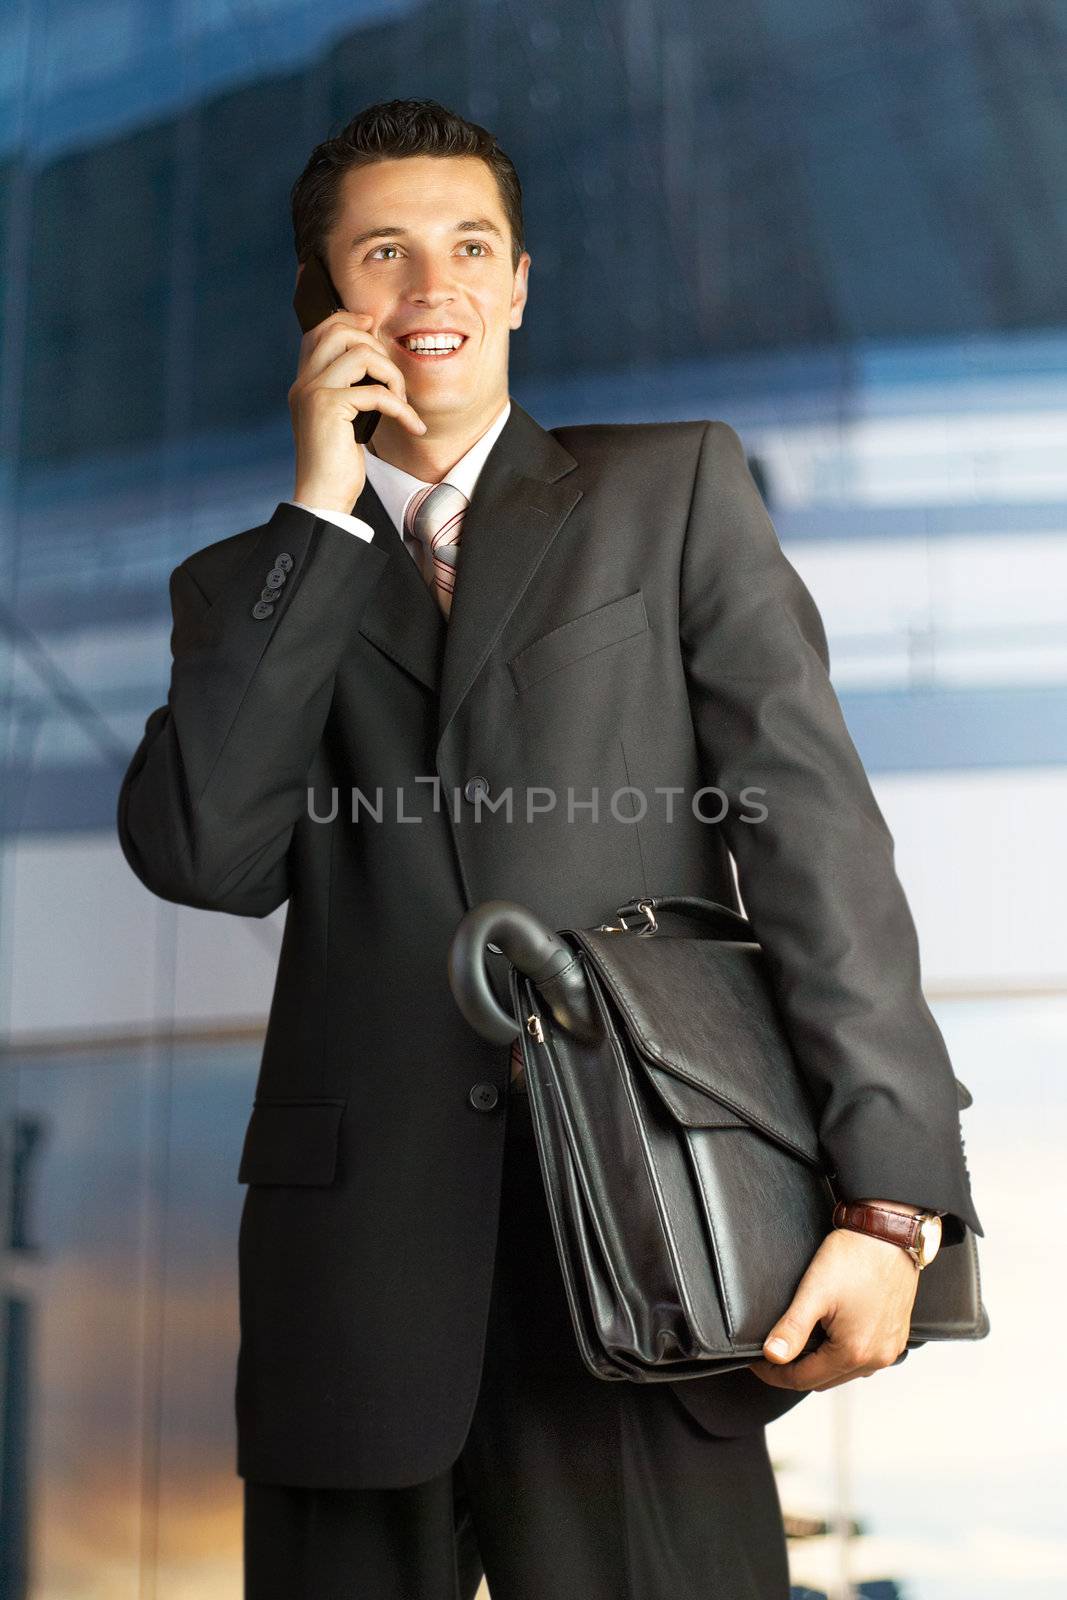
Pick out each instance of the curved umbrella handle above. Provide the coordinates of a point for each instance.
(534, 950)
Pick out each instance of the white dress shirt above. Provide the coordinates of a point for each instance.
(394, 487)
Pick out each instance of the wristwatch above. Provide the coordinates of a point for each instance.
(919, 1235)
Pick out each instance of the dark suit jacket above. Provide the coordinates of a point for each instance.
(624, 616)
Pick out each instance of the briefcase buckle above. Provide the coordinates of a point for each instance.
(621, 927)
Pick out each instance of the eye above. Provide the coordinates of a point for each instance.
(478, 243)
(384, 247)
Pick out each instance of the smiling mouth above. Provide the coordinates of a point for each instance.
(431, 355)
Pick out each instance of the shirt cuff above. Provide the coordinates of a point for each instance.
(343, 519)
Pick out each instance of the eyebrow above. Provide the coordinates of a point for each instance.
(473, 225)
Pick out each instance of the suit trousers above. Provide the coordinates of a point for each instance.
(566, 1485)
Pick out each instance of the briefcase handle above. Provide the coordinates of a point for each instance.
(550, 963)
(727, 922)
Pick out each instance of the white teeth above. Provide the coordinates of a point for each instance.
(443, 342)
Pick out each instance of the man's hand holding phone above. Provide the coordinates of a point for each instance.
(336, 354)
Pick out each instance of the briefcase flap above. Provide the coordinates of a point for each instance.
(705, 1023)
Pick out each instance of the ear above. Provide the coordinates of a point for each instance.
(519, 291)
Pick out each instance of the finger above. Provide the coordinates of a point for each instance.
(348, 363)
(372, 397)
(790, 1375)
(834, 1359)
(839, 1361)
(353, 364)
(859, 1372)
(769, 1371)
(826, 1364)
(358, 321)
(342, 314)
(778, 1377)
(344, 330)
(865, 1367)
(793, 1329)
(774, 1377)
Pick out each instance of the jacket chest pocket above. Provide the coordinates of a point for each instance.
(582, 636)
(291, 1141)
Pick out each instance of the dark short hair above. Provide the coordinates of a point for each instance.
(385, 132)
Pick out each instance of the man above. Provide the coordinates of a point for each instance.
(591, 608)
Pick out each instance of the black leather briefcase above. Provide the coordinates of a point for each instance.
(675, 1135)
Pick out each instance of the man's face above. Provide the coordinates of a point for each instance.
(422, 243)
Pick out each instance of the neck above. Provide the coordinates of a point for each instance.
(432, 456)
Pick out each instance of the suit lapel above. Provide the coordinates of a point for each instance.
(402, 617)
(520, 502)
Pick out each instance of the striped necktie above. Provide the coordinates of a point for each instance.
(434, 520)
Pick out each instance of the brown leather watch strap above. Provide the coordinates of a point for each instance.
(896, 1227)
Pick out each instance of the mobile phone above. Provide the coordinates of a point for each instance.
(316, 299)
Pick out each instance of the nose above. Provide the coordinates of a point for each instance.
(430, 284)
(430, 295)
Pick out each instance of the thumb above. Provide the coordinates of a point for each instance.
(792, 1330)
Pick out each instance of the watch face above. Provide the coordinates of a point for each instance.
(929, 1239)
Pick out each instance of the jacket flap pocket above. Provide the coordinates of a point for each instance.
(291, 1141)
(582, 636)
(711, 1041)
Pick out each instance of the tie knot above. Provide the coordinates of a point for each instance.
(433, 511)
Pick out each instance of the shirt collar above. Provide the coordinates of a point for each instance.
(395, 487)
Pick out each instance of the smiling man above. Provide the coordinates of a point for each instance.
(471, 608)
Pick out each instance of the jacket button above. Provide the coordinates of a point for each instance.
(275, 578)
(284, 562)
(269, 595)
(475, 786)
(261, 609)
(484, 1096)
